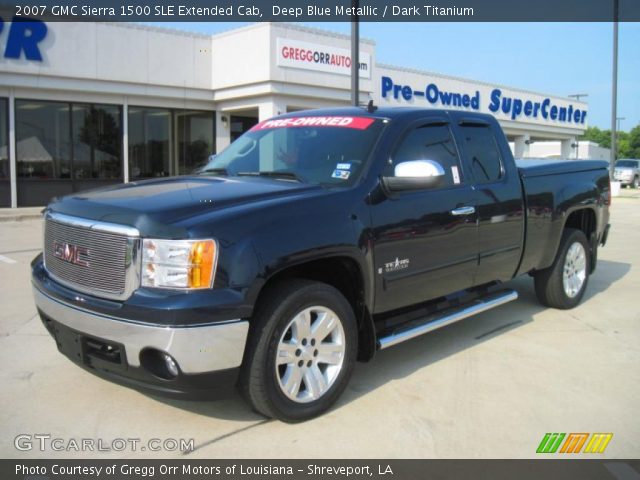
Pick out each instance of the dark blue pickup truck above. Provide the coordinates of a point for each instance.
(312, 241)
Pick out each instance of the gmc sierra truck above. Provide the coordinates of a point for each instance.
(312, 241)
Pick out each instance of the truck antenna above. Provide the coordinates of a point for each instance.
(371, 107)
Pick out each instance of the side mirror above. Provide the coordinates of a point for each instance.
(415, 175)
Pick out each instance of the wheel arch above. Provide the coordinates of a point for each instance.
(344, 273)
(585, 219)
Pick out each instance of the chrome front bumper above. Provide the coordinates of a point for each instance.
(199, 349)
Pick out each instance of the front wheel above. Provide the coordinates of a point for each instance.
(563, 284)
(636, 182)
(301, 351)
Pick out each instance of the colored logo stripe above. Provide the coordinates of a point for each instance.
(550, 443)
(574, 442)
(598, 442)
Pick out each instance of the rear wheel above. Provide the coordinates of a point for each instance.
(301, 351)
(563, 284)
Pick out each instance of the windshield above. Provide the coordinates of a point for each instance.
(325, 150)
(627, 163)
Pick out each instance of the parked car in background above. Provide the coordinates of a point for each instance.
(627, 172)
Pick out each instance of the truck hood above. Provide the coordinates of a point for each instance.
(157, 204)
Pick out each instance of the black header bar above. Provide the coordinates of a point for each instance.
(323, 10)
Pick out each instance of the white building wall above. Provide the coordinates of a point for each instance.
(118, 52)
(241, 57)
(585, 150)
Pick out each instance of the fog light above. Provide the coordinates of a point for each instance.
(159, 363)
(170, 364)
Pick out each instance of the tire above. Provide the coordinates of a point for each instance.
(556, 289)
(636, 182)
(289, 371)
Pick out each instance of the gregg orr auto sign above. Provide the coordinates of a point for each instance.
(321, 58)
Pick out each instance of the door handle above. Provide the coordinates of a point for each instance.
(463, 211)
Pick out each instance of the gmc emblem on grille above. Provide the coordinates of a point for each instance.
(71, 253)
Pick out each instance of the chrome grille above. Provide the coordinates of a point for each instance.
(106, 261)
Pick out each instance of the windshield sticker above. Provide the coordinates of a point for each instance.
(455, 174)
(342, 174)
(343, 166)
(358, 123)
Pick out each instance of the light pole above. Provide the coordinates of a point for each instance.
(355, 55)
(618, 120)
(614, 89)
(578, 96)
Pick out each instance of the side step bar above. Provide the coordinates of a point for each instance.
(433, 322)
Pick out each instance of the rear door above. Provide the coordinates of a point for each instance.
(425, 241)
(498, 197)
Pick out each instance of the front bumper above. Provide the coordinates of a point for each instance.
(623, 179)
(208, 356)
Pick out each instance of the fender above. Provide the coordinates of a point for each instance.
(582, 195)
(278, 267)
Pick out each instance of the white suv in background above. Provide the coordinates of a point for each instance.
(627, 172)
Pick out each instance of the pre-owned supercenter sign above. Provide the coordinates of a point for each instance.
(502, 105)
(321, 58)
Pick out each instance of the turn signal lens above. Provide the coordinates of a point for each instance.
(202, 256)
(181, 264)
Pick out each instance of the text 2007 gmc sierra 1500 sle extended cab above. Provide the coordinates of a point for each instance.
(313, 240)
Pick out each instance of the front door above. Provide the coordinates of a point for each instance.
(425, 241)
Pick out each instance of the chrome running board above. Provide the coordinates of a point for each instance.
(435, 321)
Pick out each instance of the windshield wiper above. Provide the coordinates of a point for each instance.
(276, 174)
(219, 171)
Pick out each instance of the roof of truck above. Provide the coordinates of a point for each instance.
(381, 112)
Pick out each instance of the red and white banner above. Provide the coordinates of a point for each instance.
(358, 123)
(321, 58)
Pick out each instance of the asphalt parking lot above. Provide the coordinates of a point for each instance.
(488, 387)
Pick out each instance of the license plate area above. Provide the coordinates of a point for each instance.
(103, 351)
(87, 350)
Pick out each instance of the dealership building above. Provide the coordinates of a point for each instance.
(84, 105)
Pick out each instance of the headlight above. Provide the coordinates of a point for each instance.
(182, 264)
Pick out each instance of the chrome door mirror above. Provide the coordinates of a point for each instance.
(415, 175)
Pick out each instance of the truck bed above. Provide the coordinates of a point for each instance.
(529, 168)
(553, 190)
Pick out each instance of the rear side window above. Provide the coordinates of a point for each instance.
(481, 148)
(431, 142)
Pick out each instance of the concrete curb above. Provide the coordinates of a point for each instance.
(20, 214)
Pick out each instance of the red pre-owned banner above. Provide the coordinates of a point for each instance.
(358, 123)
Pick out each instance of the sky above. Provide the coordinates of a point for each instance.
(551, 58)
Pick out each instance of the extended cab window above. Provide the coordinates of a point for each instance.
(482, 151)
(431, 142)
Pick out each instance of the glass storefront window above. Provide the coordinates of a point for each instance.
(97, 142)
(195, 140)
(65, 147)
(149, 142)
(43, 143)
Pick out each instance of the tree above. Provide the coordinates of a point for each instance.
(601, 137)
(628, 143)
(634, 142)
